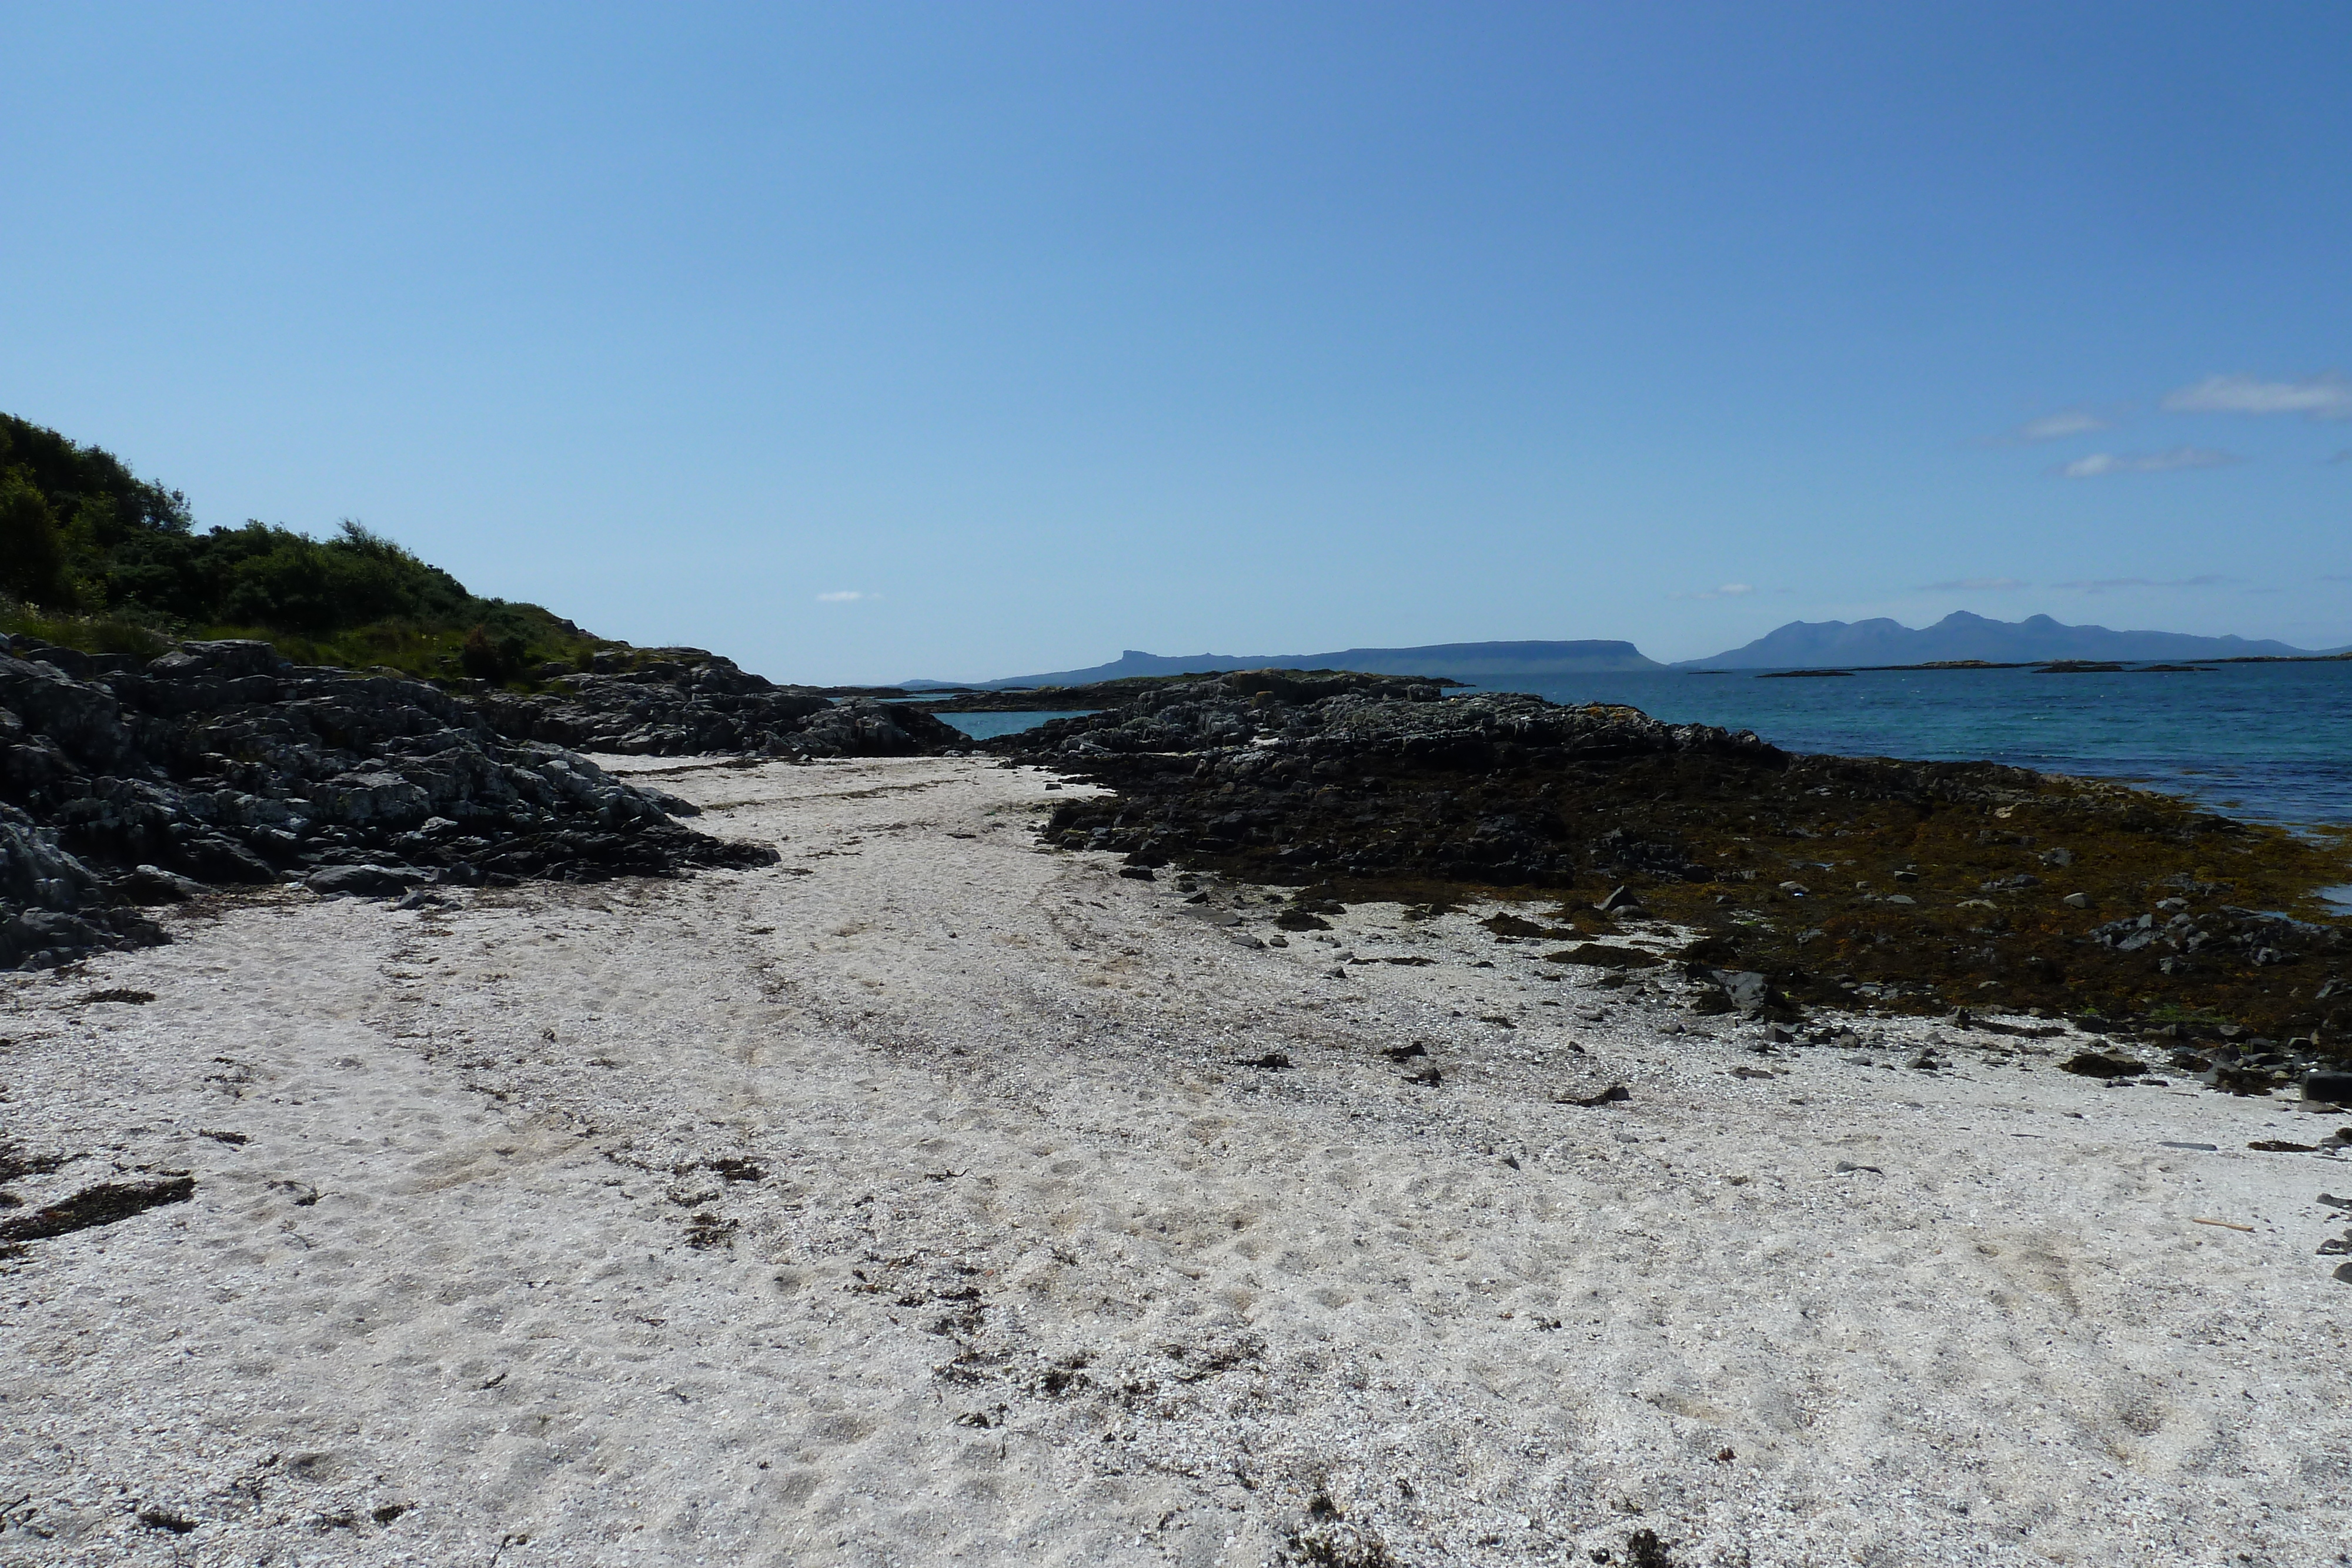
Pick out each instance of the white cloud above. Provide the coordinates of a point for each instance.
(1972, 585)
(2325, 396)
(2099, 463)
(2104, 584)
(844, 596)
(2057, 426)
(1727, 590)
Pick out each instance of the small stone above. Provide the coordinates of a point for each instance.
(2076, 901)
(2328, 1088)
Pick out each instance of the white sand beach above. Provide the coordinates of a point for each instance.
(915, 1202)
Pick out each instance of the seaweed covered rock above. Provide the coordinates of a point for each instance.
(674, 702)
(125, 782)
(1289, 685)
(1862, 881)
(1319, 778)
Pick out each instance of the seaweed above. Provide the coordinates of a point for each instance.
(104, 1204)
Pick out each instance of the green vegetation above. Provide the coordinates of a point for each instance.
(93, 558)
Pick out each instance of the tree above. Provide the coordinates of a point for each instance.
(32, 557)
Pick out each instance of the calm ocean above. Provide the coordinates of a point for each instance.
(2267, 741)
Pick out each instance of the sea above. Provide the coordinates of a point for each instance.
(2268, 742)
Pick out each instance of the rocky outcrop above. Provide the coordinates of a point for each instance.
(126, 783)
(674, 702)
(1308, 774)
(1290, 686)
(1860, 881)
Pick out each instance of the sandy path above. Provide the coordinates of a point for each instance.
(906, 1204)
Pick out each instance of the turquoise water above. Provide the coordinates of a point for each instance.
(988, 726)
(2271, 742)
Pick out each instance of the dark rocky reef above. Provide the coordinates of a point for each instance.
(1134, 689)
(675, 702)
(1362, 776)
(128, 783)
(1856, 880)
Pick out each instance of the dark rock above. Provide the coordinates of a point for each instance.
(154, 884)
(2329, 1087)
(1604, 956)
(101, 1205)
(1374, 796)
(220, 763)
(368, 881)
(2094, 1064)
(669, 702)
(1752, 994)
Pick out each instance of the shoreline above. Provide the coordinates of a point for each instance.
(928, 1196)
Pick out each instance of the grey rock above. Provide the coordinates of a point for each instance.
(124, 784)
(364, 879)
(683, 701)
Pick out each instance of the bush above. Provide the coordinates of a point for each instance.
(96, 553)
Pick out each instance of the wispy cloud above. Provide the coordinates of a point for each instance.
(2167, 462)
(2057, 426)
(1726, 590)
(1972, 585)
(844, 596)
(2325, 396)
(2108, 584)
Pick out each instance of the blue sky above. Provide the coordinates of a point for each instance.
(865, 343)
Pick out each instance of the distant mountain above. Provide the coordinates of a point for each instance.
(1802, 644)
(1471, 662)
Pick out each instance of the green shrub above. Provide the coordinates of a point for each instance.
(94, 555)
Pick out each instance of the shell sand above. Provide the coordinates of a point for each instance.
(931, 1197)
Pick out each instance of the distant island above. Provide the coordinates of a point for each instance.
(1958, 638)
(1962, 636)
(1471, 662)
